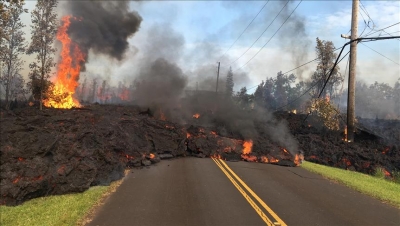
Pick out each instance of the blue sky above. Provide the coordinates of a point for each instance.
(204, 30)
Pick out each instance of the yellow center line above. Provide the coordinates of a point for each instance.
(248, 198)
(266, 207)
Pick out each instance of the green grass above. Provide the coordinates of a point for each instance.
(70, 209)
(380, 188)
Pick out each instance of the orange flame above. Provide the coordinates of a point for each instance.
(264, 159)
(152, 156)
(249, 158)
(273, 160)
(187, 135)
(124, 95)
(68, 70)
(247, 145)
(298, 159)
(197, 115)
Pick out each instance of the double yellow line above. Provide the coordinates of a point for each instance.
(249, 195)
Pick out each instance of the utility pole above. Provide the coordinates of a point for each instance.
(216, 89)
(352, 74)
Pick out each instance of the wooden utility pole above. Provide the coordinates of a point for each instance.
(352, 74)
(216, 88)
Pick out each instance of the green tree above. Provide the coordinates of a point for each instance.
(326, 59)
(12, 47)
(259, 95)
(5, 14)
(229, 83)
(243, 99)
(269, 90)
(44, 28)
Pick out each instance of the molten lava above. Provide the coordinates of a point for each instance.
(68, 70)
(247, 145)
(152, 156)
(197, 115)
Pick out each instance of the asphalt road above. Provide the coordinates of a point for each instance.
(193, 191)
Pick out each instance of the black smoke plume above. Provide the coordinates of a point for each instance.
(105, 26)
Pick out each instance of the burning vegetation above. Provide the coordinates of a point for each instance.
(61, 94)
(60, 151)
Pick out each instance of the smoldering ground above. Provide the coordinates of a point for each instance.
(157, 79)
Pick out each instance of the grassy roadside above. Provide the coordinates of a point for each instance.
(70, 209)
(379, 188)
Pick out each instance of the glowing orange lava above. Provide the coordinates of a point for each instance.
(298, 159)
(247, 145)
(264, 159)
(152, 156)
(68, 70)
(197, 115)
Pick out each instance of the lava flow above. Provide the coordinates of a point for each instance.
(68, 70)
(247, 146)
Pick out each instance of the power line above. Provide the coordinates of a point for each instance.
(382, 29)
(270, 38)
(380, 54)
(308, 62)
(364, 9)
(317, 82)
(260, 35)
(245, 29)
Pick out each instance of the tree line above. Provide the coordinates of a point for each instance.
(13, 46)
(282, 92)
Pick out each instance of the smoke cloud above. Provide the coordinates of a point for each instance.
(160, 84)
(105, 26)
(293, 36)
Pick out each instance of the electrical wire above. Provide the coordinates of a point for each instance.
(382, 29)
(260, 35)
(313, 85)
(244, 29)
(380, 54)
(271, 37)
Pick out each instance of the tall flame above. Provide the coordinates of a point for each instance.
(68, 69)
(247, 145)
